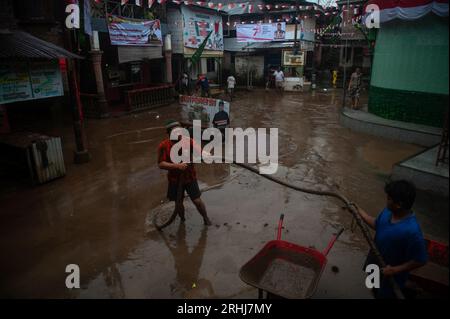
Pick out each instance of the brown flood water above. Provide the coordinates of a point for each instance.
(99, 215)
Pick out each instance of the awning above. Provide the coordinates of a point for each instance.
(19, 44)
(409, 9)
(232, 45)
(138, 53)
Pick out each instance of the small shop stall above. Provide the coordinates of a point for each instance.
(30, 69)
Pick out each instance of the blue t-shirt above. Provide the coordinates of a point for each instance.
(204, 83)
(400, 242)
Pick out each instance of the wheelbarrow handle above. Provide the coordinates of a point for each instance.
(332, 241)
(280, 226)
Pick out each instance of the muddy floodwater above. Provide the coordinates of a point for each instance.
(99, 215)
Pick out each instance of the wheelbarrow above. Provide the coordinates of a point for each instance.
(285, 269)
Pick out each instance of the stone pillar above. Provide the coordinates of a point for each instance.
(168, 56)
(96, 56)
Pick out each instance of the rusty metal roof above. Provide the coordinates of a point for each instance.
(19, 44)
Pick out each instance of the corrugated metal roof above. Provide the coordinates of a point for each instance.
(19, 44)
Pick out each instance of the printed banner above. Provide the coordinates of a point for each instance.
(197, 26)
(123, 31)
(263, 32)
(21, 82)
(201, 108)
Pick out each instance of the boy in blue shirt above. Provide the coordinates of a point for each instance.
(398, 236)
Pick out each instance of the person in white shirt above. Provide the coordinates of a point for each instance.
(231, 81)
(279, 79)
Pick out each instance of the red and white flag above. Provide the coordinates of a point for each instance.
(123, 2)
(138, 2)
(211, 5)
(231, 6)
(409, 9)
(219, 6)
(250, 8)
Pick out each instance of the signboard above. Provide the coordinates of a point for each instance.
(23, 81)
(197, 26)
(291, 59)
(124, 31)
(201, 108)
(261, 32)
(45, 80)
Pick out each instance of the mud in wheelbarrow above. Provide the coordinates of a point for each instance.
(285, 269)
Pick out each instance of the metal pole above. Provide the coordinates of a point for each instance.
(344, 96)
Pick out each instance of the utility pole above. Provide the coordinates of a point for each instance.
(296, 28)
(81, 154)
(344, 96)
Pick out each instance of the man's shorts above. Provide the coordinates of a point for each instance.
(191, 188)
(279, 84)
(354, 92)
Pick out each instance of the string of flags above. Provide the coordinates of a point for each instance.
(355, 9)
(249, 6)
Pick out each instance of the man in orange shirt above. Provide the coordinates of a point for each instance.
(181, 176)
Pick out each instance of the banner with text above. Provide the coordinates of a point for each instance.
(263, 32)
(23, 81)
(201, 108)
(124, 31)
(197, 26)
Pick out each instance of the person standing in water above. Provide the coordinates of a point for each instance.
(354, 87)
(180, 176)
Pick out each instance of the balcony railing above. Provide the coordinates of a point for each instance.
(151, 97)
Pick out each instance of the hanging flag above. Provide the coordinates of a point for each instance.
(123, 2)
(219, 6)
(87, 17)
(161, 2)
(250, 8)
(211, 5)
(138, 2)
(260, 6)
(231, 6)
(198, 53)
(268, 6)
(150, 3)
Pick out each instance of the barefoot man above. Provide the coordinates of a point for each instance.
(181, 176)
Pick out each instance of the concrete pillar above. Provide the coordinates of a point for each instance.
(96, 56)
(168, 56)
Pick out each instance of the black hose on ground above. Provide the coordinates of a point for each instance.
(349, 205)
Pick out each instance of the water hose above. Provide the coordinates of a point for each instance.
(349, 205)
